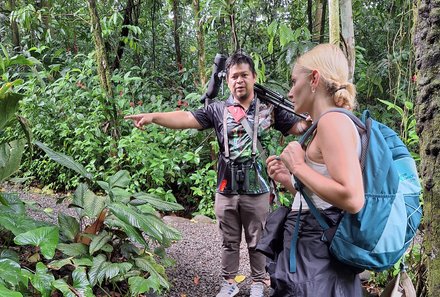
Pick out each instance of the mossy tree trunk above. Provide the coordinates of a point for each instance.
(427, 46)
(200, 42)
(104, 72)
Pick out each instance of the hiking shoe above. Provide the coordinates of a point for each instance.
(257, 290)
(228, 290)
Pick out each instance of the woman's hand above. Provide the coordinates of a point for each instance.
(293, 157)
(278, 171)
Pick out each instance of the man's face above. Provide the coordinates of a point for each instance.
(241, 82)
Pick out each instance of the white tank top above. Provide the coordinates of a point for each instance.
(322, 169)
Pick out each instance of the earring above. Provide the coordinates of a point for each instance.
(313, 90)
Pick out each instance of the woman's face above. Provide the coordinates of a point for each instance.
(301, 91)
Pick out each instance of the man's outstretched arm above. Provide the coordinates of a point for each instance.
(173, 119)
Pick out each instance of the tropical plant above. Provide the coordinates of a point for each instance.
(116, 238)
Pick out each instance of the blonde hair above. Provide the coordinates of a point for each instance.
(331, 63)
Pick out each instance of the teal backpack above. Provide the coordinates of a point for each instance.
(378, 235)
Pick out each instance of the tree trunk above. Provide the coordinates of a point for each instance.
(176, 22)
(427, 43)
(234, 37)
(333, 15)
(200, 43)
(309, 16)
(124, 33)
(101, 54)
(348, 35)
(324, 13)
(14, 28)
(153, 33)
(104, 74)
(316, 29)
(221, 36)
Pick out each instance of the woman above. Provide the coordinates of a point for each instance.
(330, 170)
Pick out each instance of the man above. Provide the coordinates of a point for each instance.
(242, 198)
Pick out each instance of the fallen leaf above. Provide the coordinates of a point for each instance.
(196, 280)
(239, 278)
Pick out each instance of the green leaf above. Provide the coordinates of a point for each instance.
(19, 224)
(81, 283)
(156, 202)
(99, 241)
(69, 226)
(73, 249)
(138, 220)
(65, 160)
(91, 204)
(6, 292)
(45, 237)
(8, 107)
(149, 265)
(132, 232)
(12, 204)
(285, 35)
(139, 285)
(10, 157)
(58, 264)
(42, 280)
(10, 271)
(98, 265)
(121, 179)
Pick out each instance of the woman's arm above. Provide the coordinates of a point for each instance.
(337, 140)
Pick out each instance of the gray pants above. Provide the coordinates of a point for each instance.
(234, 213)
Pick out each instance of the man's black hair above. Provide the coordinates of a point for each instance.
(240, 57)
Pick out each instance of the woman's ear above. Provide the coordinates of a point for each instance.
(314, 78)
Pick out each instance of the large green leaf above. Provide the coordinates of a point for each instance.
(69, 226)
(19, 224)
(65, 161)
(90, 204)
(132, 232)
(98, 264)
(73, 249)
(138, 220)
(6, 292)
(42, 280)
(121, 179)
(10, 157)
(148, 264)
(12, 204)
(10, 271)
(139, 285)
(45, 237)
(99, 241)
(115, 269)
(80, 286)
(8, 107)
(157, 203)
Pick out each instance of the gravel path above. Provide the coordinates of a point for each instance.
(196, 272)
